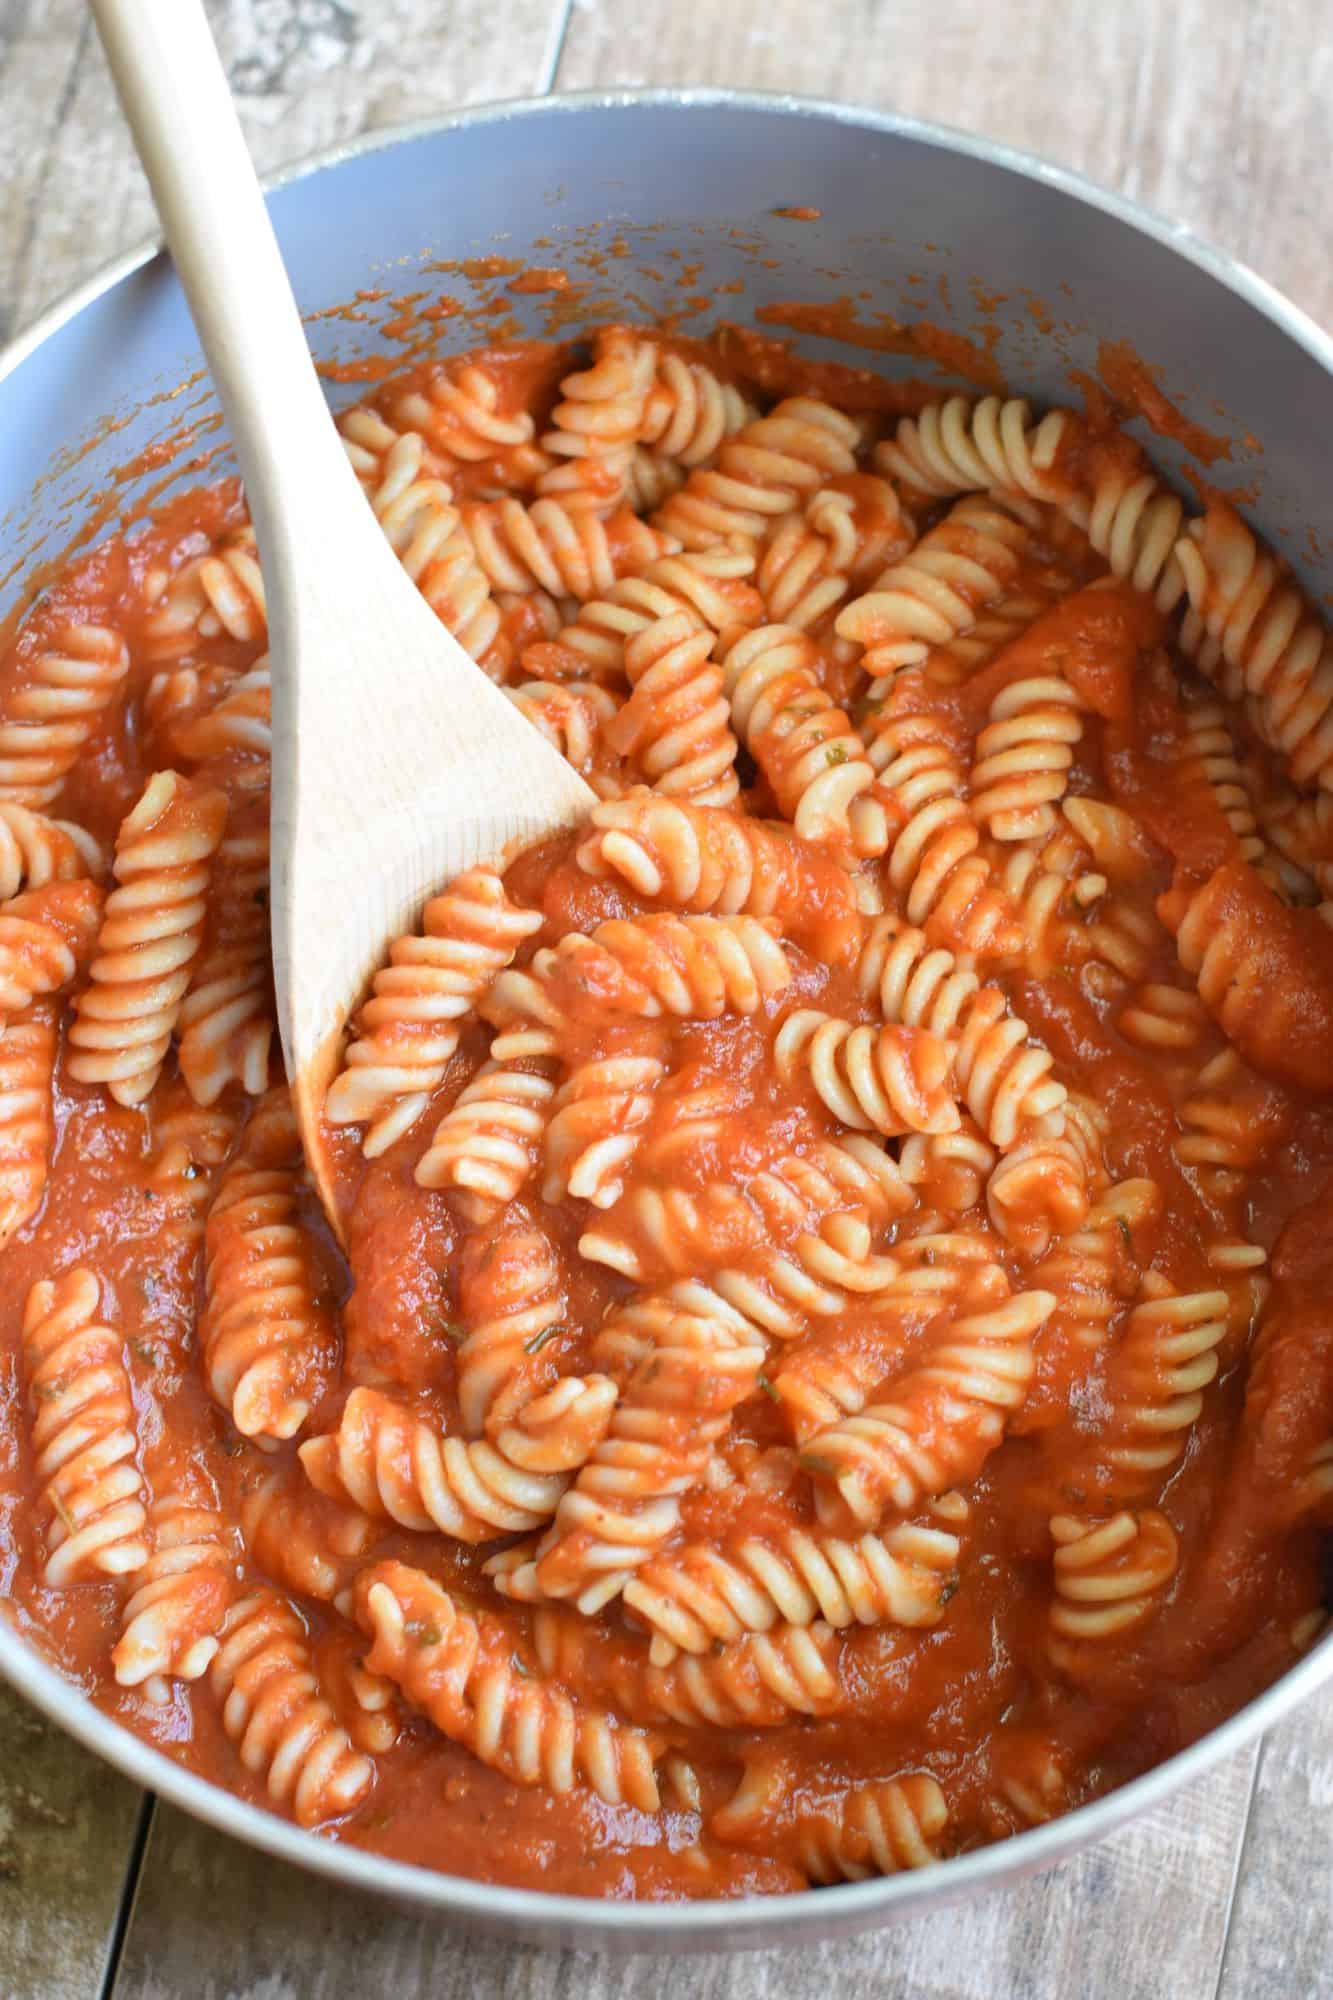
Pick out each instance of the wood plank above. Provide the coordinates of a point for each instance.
(1163, 103)
(301, 1937)
(67, 1827)
(1281, 1935)
(1214, 114)
(305, 77)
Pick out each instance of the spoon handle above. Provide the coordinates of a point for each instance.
(179, 108)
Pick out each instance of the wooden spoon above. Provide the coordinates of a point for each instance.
(396, 763)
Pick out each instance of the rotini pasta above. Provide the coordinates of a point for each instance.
(763, 471)
(27, 1114)
(58, 700)
(278, 1717)
(172, 1620)
(150, 938)
(266, 1332)
(961, 447)
(935, 593)
(824, 1315)
(410, 1026)
(85, 1446)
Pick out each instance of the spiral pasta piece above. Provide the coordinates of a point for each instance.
(27, 1114)
(651, 479)
(755, 1682)
(1209, 754)
(1163, 1362)
(91, 1496)
(596, 1125)
(1172, 1019)
(961, 658)
(1262, 971)
(959, 446)
(48, 718)
(692, 967)
(1118, 845)
(1043, 1186)
(689, 411)
(597, 421)
(367, 1705)
(458, 409)
(489, 1141)
(808, 563)
(391, 1463)
(892, 1079)
(802, 742)
(945, 885)
(706, 586)
(225, 1021)
(568, 551)
(936, 592)
(803, 1224)
(1134, 522)
(239, 722)
(1253, 632)
(460, 1671)
(878, 1829)
(1301, 830)
(711, 861)
(1093, 1270)
(36, 851)
(572, 716)
(763, 470)
(788, 1245)
(513, 1303)
(219, 593)
(949, 1415)
(419, 1004)
(170, 1623)
(190, 1143)
(625, 1500)
(699, 1595)
(427, 535)
(1021, 764)
(277, 1715)
(1002, 1076)
(1109, 1573)
(266, 1333)
(301, 1540)
(150, 937)
(45, 935)
(1225, 1133)
(820, 1382)
(675, 723)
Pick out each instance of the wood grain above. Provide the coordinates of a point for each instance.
(1213, 111)
(1214, 114)
(1281, 1935)
(67, 1827)
(1055, 1938)
(306, 74)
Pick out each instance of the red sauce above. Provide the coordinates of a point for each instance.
(996, 1701)
(838, 319)
(1135, 388)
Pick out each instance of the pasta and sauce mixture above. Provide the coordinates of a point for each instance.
(832, 1361)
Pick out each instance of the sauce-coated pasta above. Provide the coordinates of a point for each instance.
(832, 1361)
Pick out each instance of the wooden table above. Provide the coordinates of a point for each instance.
(1215, 111)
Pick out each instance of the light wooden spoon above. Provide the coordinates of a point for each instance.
(396, 763)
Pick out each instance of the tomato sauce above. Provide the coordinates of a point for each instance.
(1010, 1724)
